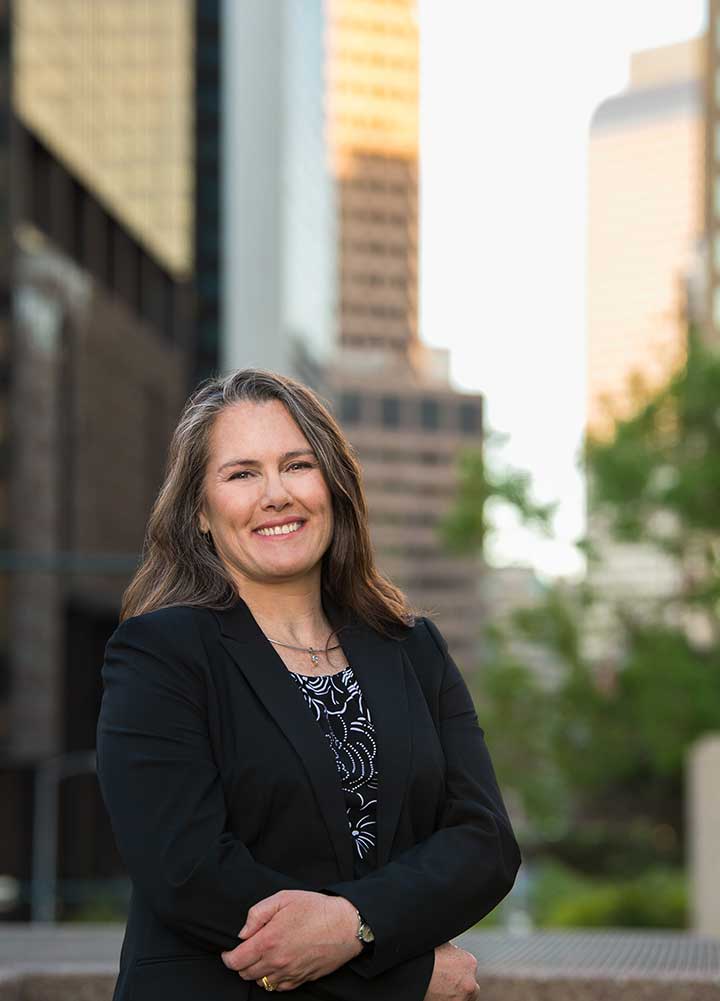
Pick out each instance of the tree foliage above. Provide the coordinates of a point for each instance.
(658, 479)
(599, 758)
(467, 525)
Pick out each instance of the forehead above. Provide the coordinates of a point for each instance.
(255, 428)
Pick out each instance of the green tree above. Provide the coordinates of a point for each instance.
(604, 751)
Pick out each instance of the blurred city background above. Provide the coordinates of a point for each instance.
(491, 240)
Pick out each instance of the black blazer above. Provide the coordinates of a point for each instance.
(222, 790)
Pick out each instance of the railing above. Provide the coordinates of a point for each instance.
(48, 777)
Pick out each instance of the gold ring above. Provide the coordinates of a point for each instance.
(267, 985)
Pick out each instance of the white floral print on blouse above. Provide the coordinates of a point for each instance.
(337, 703)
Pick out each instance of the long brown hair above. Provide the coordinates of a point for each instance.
(179, 564)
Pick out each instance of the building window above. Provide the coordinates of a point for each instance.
(429, 414)
(390, 411)
(430, 458)
(350, 408)
(77, 229)
(110, 254)
(469, 414)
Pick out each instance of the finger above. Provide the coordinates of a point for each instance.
(259, 970)
(264, 968)
(236, 961)
(259, 915)
(243, 957)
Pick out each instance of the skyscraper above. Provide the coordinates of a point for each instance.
(645, 224)
(711, 276)
(393, 393)
(208, 206)
(278, 220)
(320, 274)
(645, 234)
(373, 134)
(96, 354)
(109, 88)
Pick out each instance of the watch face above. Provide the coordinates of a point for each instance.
(366, 933)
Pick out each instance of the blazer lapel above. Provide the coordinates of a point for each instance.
(378, 664)
(268, 675)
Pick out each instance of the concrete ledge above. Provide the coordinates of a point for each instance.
(617, 965)
(59, 985)
(9, 987)
(79, 963)
(507, 988)
(85, 986)
(608, 953)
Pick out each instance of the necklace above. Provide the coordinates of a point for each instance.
(313, 651)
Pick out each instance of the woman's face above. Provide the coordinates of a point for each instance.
(266, 502)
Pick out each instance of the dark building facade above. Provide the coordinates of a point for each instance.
(99, 360)
(109, 139)
(208, 163)
(408, 435)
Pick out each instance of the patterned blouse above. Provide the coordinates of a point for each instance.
(336, 701)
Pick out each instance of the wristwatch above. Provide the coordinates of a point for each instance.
(364, 933)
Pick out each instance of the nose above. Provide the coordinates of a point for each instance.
(275, 493)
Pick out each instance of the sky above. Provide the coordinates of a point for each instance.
(507, 93)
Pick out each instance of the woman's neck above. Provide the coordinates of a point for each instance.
(292, 615)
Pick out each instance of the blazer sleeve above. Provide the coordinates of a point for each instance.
(164, 795)
(437, 889)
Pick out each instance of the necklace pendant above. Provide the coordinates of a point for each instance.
(313, 656)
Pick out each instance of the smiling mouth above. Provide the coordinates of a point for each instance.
(280, 531)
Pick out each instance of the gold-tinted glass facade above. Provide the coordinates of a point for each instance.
(108, 86)
(373, 78)
(373, 115)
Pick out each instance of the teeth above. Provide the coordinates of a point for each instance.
(280, 529)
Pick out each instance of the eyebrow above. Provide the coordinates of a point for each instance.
(254, 462)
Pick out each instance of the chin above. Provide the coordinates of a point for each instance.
(294, 568)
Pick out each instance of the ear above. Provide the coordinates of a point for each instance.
(203, 523)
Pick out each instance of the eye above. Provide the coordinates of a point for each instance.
(242, 473)
(300, 465)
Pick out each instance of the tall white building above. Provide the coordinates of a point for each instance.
(645, 224)
(645, 230)
(278, 232)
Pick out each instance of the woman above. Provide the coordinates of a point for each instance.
(288, 757)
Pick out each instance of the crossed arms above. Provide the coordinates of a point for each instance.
(165, 798)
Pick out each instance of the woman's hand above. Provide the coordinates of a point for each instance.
(453, 977)
(294, 936)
